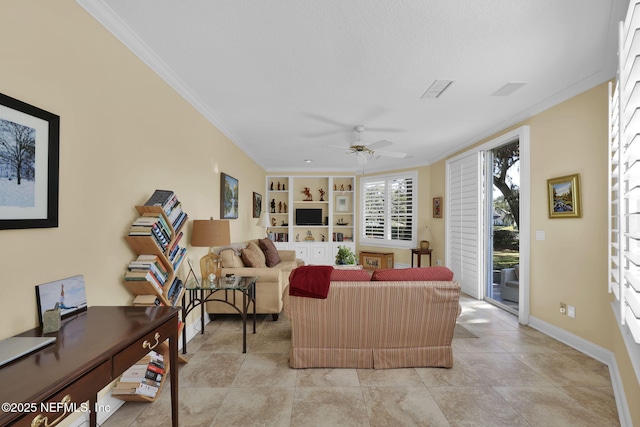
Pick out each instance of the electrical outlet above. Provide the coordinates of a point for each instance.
(563, 308)
(438, 262)
(571, 311)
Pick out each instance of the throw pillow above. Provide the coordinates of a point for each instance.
(413, 274)
(249, 258)
(258, 254)
(517, 271)
(338, 275)
(272, 257)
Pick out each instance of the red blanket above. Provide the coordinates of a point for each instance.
(310, 281)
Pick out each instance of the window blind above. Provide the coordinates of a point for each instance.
(624, 185)
(388, 210)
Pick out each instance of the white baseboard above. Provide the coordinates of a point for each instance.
(599, 353)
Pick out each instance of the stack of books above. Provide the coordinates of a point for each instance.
(174, 291)
(170, 204)
(154, 225)
(176, 252)
(143, 378)
(149, 268)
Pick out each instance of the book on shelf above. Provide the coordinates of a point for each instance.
(174, 291)
(152, 268)
(160, 198)
(137, 276)
(178, 258)
(147, 300)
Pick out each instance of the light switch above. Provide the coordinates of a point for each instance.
(539, 234)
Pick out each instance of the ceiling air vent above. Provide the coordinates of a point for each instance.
(508, 89)
(436, 89)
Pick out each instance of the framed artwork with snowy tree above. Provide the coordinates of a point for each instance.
(29, 162)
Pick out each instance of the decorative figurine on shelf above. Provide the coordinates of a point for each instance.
(309, 237)
(322, 192)
(349, 187)
(279, 207)
(297, 237)
(284, 207)
(282, 186)
(271, 186)
(273, 222)
(307, 192)
(341, 187)
(335, 187)
(322, 237)
(278, 185)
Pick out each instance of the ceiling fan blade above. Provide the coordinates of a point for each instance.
(394, 154)
(347, 149)
(380, 144)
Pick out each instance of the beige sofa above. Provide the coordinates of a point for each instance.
(271, 281)
(386, 324)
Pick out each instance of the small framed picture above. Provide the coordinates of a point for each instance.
(342, 204)
(564, 197)
(228, 197)
(68, 295)
(437, 207)
(257, 205)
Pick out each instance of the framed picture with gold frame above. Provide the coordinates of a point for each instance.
(437, 207)
(564, 197)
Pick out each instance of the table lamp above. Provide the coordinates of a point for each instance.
(263, 221)
(210, 233)
(424, 244)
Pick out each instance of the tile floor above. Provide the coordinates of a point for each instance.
(508, 375)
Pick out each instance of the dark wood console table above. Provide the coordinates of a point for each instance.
(92, 349)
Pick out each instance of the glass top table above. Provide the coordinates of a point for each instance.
(223, 290)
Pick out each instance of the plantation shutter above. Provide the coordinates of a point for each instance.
(464, 188)
(624, 188)
(373, 196)
(388, 210)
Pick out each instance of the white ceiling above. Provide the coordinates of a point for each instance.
(285, 79)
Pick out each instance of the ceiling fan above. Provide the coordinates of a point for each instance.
(364, 151)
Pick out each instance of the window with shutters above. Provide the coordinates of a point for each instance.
(389, 210)
(624, 187)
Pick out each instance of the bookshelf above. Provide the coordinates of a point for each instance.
(333, 198)
(157, 239)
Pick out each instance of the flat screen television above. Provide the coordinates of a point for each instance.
(308, 216)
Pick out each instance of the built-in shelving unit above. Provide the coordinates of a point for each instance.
(312, 215)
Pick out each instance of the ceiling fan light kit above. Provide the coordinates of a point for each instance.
(363, 150)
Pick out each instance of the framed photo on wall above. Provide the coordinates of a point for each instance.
(257, 204)
(437, 207)
(228, 197)
(29, 162)
(564, 197)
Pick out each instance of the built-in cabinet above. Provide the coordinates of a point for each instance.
(312, 215)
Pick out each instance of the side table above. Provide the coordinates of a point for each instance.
(420, 252)
(197, 297)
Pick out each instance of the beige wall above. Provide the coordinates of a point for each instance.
(124, 133)
(570, 265)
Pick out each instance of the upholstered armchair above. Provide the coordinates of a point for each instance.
(510, 283)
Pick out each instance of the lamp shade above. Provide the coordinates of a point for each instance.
(210, 232)
(263, 221)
